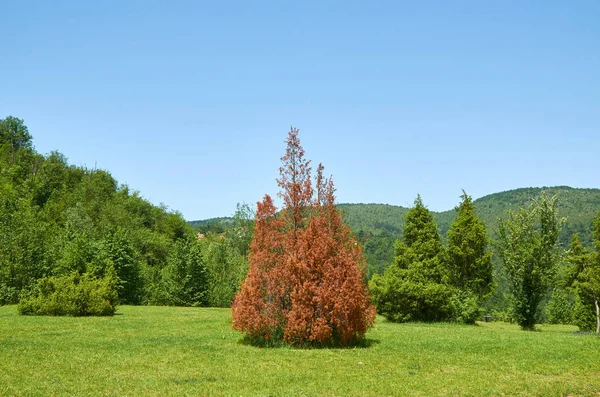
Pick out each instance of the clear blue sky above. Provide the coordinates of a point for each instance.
(190, 102)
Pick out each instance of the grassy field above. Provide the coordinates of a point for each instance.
(189, 351)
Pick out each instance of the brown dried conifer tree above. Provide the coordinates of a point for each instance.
(306, 279)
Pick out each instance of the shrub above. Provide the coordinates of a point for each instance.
(583, 314)
(72, 295)
(182, 282)
(561, 306)
(466, 307)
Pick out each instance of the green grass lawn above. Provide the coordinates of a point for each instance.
(190, 351)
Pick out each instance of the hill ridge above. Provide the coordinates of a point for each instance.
(378, 225)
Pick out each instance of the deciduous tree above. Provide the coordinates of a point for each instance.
(527, 245)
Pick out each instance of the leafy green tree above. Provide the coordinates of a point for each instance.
(226, 268)
(76, 243)
(23, 246)
(527, 245)
(241, 232)
(416, 287)
(59, 220)
(116, 250)
(184, 279)
(585, 279)
(14, 135)
(561, 306)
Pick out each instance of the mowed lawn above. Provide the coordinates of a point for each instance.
(193, 351)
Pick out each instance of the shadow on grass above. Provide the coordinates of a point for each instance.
(270, 344)
(587, 333)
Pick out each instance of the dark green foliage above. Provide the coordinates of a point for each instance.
(469, 260)
(14, 137)
(184, 279)
(584, 316)
(527, 245)
(466, 306)
(72, 295)
(117, 249)
(378, 225)
(212, 225)
(226, 268)
(561, 306)
(22, 247)
(585, 279)
(416, 287)
(57, 219)
(226, 256)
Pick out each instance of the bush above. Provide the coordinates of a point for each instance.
(583, 315)
(72, 295)
(561, 306)
(400, 298)
(8, 294)
(183, 281)
(466, 306)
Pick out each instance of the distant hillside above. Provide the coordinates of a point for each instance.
(378, 225)
(579, 206)
(215, 225)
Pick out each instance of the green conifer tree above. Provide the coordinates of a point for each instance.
(416, 287)
(585, 280)
(469, 260)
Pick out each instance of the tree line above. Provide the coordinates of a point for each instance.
(66, 231)
(75, 241)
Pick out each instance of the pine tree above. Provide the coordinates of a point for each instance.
(416, 287)
(585, 280)
(305, 282)
(469, 260)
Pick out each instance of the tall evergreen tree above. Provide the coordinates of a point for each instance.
(585, 279)
(416, 287)
(306, 277)
(469, 260)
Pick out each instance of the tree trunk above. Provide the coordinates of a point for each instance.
(597, 313)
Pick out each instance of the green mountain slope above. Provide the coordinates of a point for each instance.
(215, 225)
(378, 225)
(579, 206)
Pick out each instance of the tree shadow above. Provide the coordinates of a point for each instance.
(364, 343)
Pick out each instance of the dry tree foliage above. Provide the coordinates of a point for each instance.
(306, 279)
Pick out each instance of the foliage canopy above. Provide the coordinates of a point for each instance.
(305, 284)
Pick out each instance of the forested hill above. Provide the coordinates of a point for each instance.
(579, 206)
(215, 225)
(379, 225)
(57, 219)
